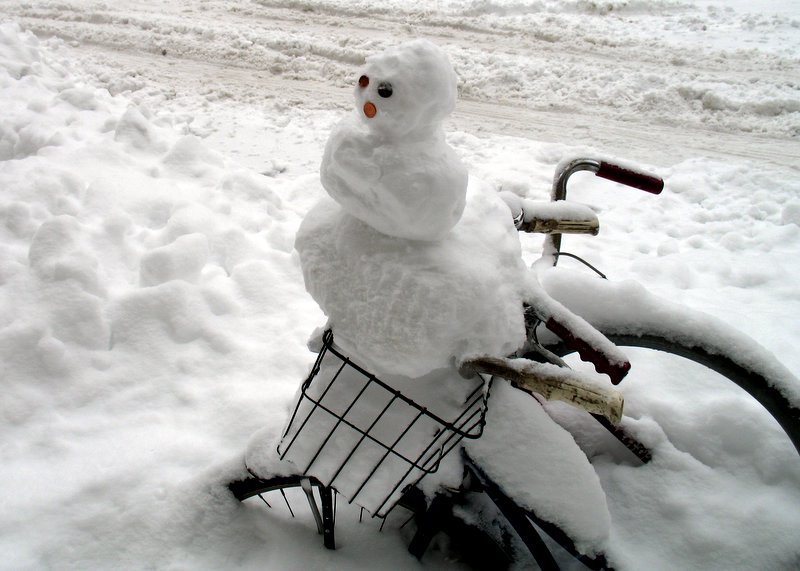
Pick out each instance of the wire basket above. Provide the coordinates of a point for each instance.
(362, 436)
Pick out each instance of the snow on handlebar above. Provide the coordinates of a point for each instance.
(552, 382)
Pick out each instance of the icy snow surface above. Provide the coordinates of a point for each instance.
(157, 159)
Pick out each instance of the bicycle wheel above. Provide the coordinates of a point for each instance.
(537, 541)
(298, 489)
(631, 316)
(439, 526)
(753, 382)
(481, 527)
(722, 488)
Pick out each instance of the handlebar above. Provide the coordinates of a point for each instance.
(610, 171)
(553, 383)
(628, 177)
(647, 182)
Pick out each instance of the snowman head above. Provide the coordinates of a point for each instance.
(405, 90)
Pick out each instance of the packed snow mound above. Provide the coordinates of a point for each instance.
(409, 307)
(122, 278)
(388, 163)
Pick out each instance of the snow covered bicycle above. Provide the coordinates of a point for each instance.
(494, 518)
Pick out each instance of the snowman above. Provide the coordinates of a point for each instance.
(414, 264)
(417, 267)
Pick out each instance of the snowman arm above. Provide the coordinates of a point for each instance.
(552, 383)
(355, 165)
(348, 163)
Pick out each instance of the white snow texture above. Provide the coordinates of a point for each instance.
(157, 160)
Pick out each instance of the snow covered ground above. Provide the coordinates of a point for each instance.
(157, 158)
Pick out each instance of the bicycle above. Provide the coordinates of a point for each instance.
(496, 529)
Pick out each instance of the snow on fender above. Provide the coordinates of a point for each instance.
(549, 474)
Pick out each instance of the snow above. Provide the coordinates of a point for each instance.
(158, 158)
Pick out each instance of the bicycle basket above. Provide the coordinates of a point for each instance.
(370, 441)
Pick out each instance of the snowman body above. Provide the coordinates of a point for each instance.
(408, 307)
(414, 267)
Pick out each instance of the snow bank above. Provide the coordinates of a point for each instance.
(136, 303)
(697, 64)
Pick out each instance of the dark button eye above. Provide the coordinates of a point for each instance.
(385, 89)
(363, 81)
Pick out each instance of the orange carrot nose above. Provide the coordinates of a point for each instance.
(370, 110)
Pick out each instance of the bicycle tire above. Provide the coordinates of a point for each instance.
(754, 383)
(468, 543)
(323, 513)
(528, 525)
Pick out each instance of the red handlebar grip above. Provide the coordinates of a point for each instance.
(616, 371)
(628, 177)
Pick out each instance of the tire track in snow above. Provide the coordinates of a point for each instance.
(640, 141)
(326, 45)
